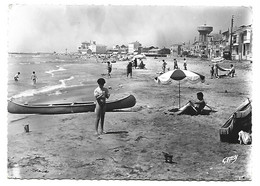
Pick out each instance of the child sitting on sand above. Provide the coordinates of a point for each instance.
(199, 105)
(194, 107)
(101, 94)
(231, 73)
(141, 65)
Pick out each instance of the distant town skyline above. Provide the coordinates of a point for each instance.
(49, 28)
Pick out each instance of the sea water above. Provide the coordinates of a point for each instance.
(54, 73)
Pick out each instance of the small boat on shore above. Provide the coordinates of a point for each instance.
(68, 108)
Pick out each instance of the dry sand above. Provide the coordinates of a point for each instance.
(64, 146)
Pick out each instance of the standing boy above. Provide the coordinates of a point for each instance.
(129, 69)
(164, 66)
(185, 64)
(175, 64)
(101, 94)
(135, 63)
(109, 69)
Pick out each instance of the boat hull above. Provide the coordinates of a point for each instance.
(68, 108)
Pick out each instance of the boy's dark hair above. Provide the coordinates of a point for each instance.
(101, 81)
(200, 94)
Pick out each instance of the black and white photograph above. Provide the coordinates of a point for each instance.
(136, 92)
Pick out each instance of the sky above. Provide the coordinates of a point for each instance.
(49, 28)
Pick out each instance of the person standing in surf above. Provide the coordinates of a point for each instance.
(33, 78)
(101, 94)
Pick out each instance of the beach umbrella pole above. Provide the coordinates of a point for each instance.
(179, 95)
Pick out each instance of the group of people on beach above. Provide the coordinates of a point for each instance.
(141, 64)
(131, 64)
(101, 93)
(33, 77)
(129, 67)
(175, 65)
(214, 71)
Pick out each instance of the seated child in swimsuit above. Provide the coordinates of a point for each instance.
(194, 107)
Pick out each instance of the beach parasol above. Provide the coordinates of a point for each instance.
(180, 75)
(217, 59)
(139, 56)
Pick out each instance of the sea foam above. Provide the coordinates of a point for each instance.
(32, 92)
(57, 70)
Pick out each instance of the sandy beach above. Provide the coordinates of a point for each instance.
(65, 147)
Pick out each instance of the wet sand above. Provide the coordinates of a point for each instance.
(64, 146)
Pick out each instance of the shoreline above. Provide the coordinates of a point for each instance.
(64, 146)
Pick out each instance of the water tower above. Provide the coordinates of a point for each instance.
(204, 31)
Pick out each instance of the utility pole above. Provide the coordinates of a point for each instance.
(231, 33)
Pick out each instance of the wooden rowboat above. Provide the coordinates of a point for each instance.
(66, 108)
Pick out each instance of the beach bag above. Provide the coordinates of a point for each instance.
(244, 138)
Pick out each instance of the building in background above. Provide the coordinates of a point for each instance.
(124, 49)
(242, 43)
(176, 49)
(91, 48)
(215, 47)
(165, 51)
(134, 47)
(225, 40)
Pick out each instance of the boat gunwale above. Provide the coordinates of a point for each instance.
(68, 105)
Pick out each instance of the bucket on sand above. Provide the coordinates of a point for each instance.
(26, 128)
